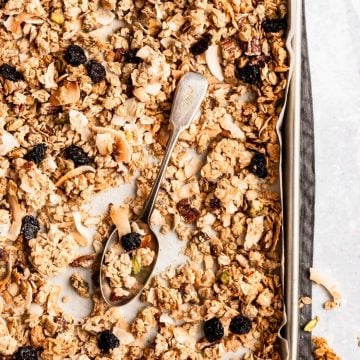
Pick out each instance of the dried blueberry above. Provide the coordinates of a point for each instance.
(240, 325)
(36, 154)
(249, 74)
(77, 155)
(201, 45)
(131, 241)
(107, 341)
(213, 329)
(75, 55)
(26, 353)
(130, 57)
(96, 71)
(9, 72)
(215, 203)
(258, 165)
(29, 227)
(274, 25)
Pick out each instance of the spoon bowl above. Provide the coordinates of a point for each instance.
(189, 95)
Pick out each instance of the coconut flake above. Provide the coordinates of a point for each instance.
(75, 172)
(254, 232)
(80, 123)
(69, 93)
(227, 123)
(7, 142)
(213, 59)
(104, 17)
(319, 278)
(4, 222)
(120, 217)
(104, 143)
(153, 89)
(16, 211)
(49, 81)
(105, 31)
(83, 230)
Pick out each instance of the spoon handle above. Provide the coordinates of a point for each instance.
(188, 97)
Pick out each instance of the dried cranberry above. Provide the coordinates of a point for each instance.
(36, 154)
(29, 227)
(119, 54)
(9, 72)
(75, 55)
(107, 341)
(201, 45)
(240, 325)
(26, 353)
(274, 25)
(96, 71)
(189, 213)
(258, 165)
(249, 74)
(131, 241)
(77, 155)
(130, 56)
(215, 203)
(213, 329)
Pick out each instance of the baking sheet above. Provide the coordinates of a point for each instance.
(170, 246)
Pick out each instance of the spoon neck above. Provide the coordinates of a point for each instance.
(150, 203)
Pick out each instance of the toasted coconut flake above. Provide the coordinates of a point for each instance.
(104, 143)
(49, 77)
(80, 123)
(254, 232)
(213, 59)
(319, 278)
(69, 93)
(7, 142)
(105, 31)
(83, 230)
(227, 123)
(13, 23)
(4, 222)
(75, 172)
(6, 277)
(16, 211)
(120, 217)
(104, 17)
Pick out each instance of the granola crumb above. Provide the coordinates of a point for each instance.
(322, 351)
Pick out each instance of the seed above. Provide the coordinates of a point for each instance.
(9, 72)
(36, 154)
(225, 277)
(136, 265)
(75, 55)
(57, 18)
(96, 71)
(201, 45)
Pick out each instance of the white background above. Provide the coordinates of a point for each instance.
(334, 50)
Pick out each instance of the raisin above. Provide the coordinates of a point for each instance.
(26, 353)
(9, 72)
(77, 155)
(53, 110)
(131, 241)
(130, 57)
(189, 213)
(201, 45)
(119, 54)
(3, 3)
(240, 325)
(274, 25)
(258, 165)
(249, 74)
(29, 227)
(213, 329)
(75, 55)
(96, 71)
(215, 203)
(36, 154)
(107, 341)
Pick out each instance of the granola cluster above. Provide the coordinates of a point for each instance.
(85, 95)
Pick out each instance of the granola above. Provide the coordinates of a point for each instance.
(98, 78)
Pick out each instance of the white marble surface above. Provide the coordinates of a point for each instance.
(334, 48)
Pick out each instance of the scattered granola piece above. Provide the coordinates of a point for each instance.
(319, 278)
(322, 351)
(304, 300)
(79, 285)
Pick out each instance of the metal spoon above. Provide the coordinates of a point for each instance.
(189, 95)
